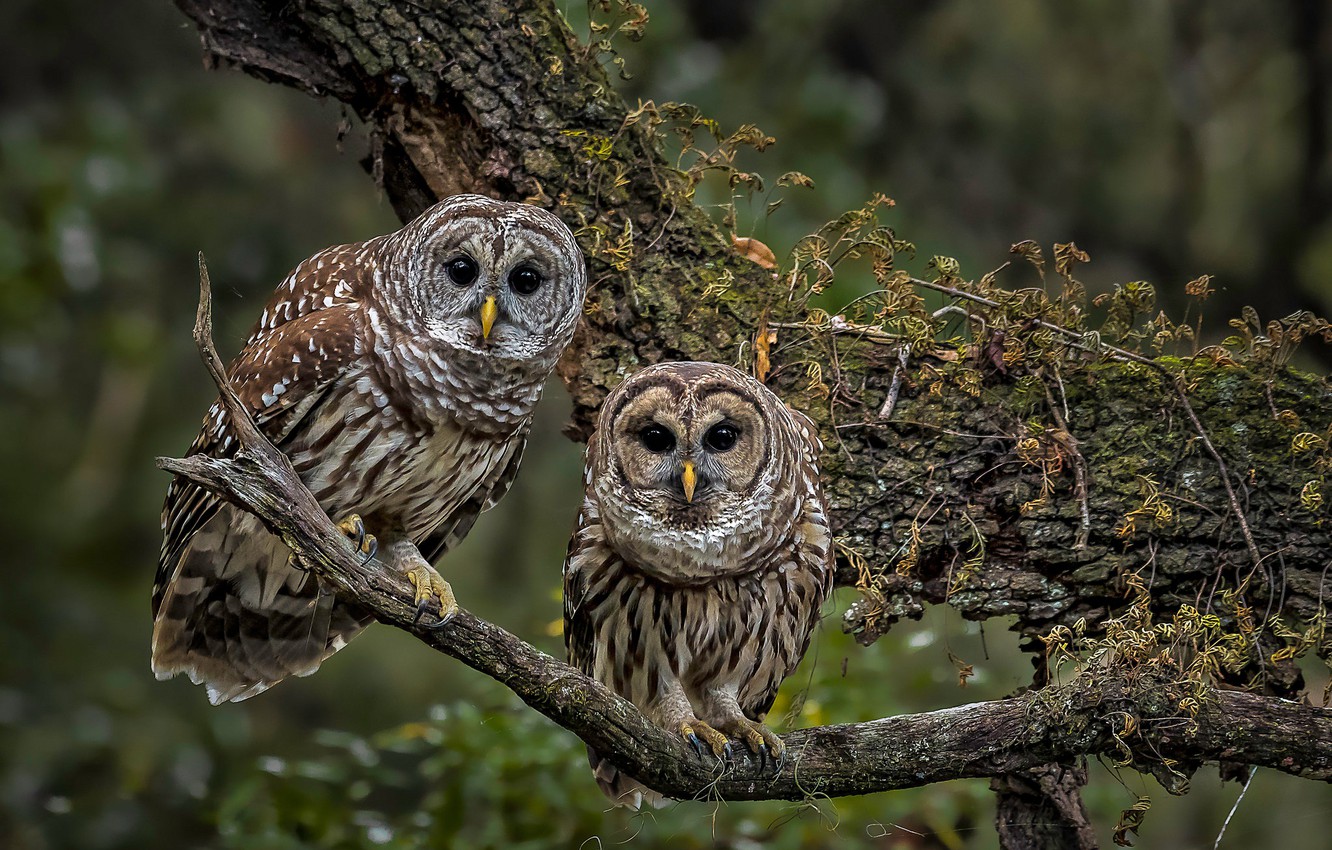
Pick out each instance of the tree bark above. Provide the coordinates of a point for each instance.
(1041, 809)
(1042, 485)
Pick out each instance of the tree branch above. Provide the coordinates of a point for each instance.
(1056, 724)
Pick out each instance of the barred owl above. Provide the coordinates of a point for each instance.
(399, 375)
(701, 559)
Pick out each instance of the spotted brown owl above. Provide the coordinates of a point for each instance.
(399, 375)
(701, 559)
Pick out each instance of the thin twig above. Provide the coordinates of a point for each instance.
(886, 411)
(203, 341)
(1225, 473)
(1079, 464)
(1216, 844)
(1100, 347)
(869, 333)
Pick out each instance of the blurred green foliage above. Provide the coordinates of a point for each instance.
(1166, 139)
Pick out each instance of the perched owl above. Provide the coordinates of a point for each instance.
(399, 376)
(701, 559)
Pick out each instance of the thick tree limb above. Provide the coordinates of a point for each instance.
(1055, 724)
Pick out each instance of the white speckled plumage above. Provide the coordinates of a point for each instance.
(368, 367)
(696, 604)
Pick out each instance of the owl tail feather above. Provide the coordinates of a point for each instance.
(238, 618)
(620, 788)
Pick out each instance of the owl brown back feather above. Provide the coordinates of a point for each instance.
(240, 618)
(305, 339)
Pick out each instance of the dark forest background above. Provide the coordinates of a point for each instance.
(1168, 140)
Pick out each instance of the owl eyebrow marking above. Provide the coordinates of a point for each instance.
(668, 382)
(707, 392)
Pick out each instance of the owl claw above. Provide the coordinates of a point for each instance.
(768, 749)
(431, 587)
(705, 739)
(421, 608)
(365, 542)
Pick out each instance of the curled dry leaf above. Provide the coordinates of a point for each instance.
(755, 250)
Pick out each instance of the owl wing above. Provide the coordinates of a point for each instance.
(485, 497)
(305, 340)
(814, 578)
(579, 628)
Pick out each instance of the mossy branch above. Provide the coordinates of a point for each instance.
(1088, 716)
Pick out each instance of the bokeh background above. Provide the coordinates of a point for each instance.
(1166, 139)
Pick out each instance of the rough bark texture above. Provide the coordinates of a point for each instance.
(500, 98)
(1041, 809)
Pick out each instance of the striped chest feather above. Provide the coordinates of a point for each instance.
(741, 633)
(357, 455)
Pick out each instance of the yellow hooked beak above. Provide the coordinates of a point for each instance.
(689, 479)
(489, 312)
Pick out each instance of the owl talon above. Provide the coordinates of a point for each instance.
(705, 739)
(421, 608)
(354, 527)
(431, 587)
(768, 749)
(296, 562)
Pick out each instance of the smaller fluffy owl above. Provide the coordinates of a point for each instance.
(701, 559)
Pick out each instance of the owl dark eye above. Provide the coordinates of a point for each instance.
(721, 437)
(657, 439)
(525, 280)
(462, 270)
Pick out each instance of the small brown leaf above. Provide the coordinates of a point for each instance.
(795, 178)
(994, 351)
(752, 249)
(764, 339)
(1130, 821)
(964, 670)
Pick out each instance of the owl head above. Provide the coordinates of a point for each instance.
(488, 279)
(696, 469)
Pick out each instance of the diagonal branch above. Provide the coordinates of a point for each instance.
(984, 739)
